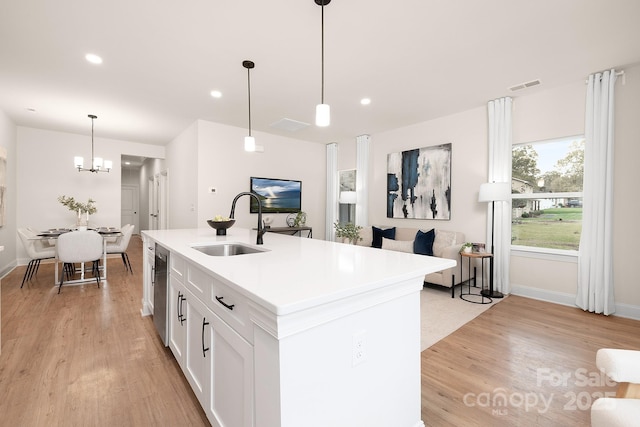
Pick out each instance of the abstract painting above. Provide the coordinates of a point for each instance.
(419, 183)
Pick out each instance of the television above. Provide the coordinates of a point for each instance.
(276, 195)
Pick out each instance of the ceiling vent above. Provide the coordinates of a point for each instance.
(525, 85)
(289, 125)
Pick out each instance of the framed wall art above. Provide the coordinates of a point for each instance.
(419, 183)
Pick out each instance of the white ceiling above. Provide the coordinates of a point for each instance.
(416, 60)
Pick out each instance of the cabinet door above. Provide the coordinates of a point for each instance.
(178, 319)
(197, 367)
(148, 256)
(231, 400)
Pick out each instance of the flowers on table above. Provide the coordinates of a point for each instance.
(73, 205)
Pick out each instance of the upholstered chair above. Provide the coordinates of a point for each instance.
(80, 246)
(37, 251)
(121, 244)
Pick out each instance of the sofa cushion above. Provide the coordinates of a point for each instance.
(378, 234)
(423, 243)
(442, 240)
(398, 245)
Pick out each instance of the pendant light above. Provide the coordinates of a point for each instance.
(97, 164)
(249, 141)
(323, 112)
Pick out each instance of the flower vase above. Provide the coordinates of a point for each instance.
(82, 221)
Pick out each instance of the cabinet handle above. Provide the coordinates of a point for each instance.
(204, 350)
(230, 307)
(181, 299)
(153, 275)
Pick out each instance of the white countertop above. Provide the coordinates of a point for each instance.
(298, 273)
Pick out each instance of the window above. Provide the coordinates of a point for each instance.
(546, 189)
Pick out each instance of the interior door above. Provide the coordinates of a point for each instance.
(153, 203)
(130, 201)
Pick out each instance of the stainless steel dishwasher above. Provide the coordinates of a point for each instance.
(160, 292)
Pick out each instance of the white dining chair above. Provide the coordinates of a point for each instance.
(121, 244)
(36, 250)
(80, 246)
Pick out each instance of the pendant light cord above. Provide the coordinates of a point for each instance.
(249, 92)
(322, 53)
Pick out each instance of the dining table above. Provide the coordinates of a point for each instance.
(52, 234)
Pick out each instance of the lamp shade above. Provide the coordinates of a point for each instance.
(494, 191)
(78, 162)
(323, 115)
(348, 197)
(249, 143)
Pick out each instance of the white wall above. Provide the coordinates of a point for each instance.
(209, 154)
(8, 138)
(467, 132)
(182, 171)
(45, 171)
(548, 114)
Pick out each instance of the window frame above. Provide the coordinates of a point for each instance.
(566, 255)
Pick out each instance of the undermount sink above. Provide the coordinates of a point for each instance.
(228, 249)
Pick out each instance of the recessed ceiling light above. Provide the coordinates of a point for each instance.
(127, 163)
(93, 58)
(365, 101)
(216, 93)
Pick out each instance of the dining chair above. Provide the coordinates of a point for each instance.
(121, 244)
(36, 250)
(80, 246)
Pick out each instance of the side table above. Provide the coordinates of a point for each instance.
(479, 298)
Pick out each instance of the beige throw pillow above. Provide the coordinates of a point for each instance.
(443, 239)
(398, 245)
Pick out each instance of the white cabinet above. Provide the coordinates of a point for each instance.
(217, 361)
(231, 399)
(178, 321)
(197, 366)
(148, 259)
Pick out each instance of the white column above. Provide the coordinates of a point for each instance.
(363, 147)
(332, 191)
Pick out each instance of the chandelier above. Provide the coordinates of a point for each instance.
(97, 164)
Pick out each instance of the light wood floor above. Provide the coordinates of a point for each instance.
(87, 357)
(530, 351)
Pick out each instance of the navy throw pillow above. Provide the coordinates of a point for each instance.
(379, 233)
(423, 243)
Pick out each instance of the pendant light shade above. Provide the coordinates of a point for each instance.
(249, 141)
(97, 164)
(323, 115)
(323, 111)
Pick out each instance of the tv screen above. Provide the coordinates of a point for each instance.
(276, 195)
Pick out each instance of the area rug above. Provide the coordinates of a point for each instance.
(441, 314)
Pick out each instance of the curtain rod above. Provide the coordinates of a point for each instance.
(618, 74)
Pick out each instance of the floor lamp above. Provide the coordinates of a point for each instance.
(493, 192)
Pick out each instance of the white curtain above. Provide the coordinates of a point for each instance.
(332, 191)
(595, 270)
(500, 148)
(363, 148)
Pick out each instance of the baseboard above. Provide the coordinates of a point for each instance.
(622, 310)
(7, 269)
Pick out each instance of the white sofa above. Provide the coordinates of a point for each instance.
(446, 244)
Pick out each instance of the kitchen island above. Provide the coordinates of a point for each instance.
(304, 332)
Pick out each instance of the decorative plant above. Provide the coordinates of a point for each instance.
(348, 231)
(72, 205)
(466, 247)
(301, 219)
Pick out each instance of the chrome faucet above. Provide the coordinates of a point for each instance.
(261, 229)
